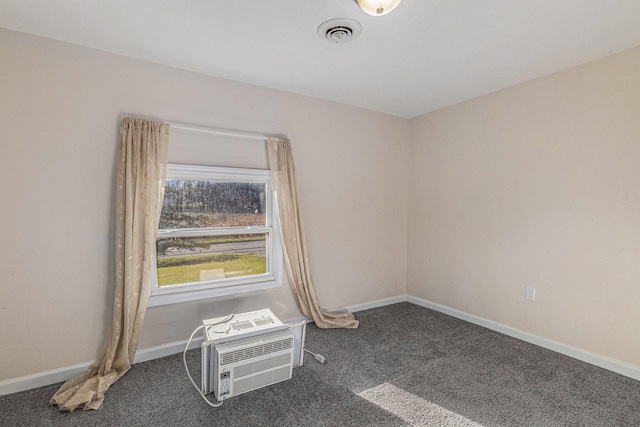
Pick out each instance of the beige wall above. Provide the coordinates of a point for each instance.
(60, 108)
(536, 185)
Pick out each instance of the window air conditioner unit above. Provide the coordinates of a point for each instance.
(248, 351)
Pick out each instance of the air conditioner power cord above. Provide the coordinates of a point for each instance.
(320, 358)
(186, 368)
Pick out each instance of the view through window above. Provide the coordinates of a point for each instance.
(216, 229)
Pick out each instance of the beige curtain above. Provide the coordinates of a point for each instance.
(141, 170)
(294, 241)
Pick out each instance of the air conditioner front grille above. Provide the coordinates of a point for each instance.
(256, 351)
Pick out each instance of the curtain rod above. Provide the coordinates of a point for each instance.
(217, 131)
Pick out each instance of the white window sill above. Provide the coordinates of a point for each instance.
(191, 295)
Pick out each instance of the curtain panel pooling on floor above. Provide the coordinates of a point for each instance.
(294, 242)
(140, 175)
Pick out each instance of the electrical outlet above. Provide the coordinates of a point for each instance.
(530, 293)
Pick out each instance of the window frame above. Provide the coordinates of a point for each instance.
(169, 294)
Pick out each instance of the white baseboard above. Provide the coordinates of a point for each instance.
(152, 353)
(40, 379)
(53, 376)
(372, 304)
(614, 365)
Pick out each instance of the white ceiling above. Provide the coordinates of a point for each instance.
(425, 55)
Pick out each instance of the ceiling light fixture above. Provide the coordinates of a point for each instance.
(378, 7)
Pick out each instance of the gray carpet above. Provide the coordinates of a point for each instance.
(405, 365)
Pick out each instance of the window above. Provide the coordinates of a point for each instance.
(218, 234)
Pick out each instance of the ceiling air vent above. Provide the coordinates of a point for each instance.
(340, 30)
